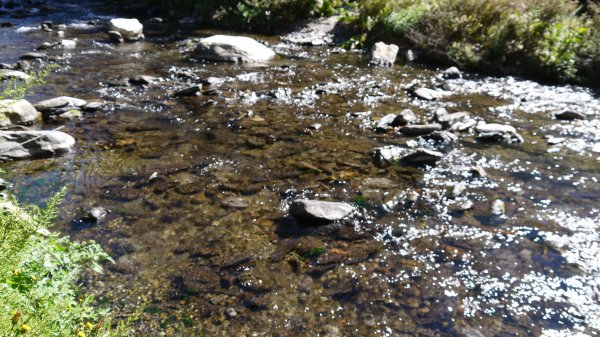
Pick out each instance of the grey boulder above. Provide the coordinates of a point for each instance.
(14, 74)
(15, 145)
(130, 29)
(320, 210)
(382, 54)
(59, 105)
(17, 112)
(233, 49)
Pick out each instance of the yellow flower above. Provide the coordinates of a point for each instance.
(25, 328)
(80, 334)
(89, 325)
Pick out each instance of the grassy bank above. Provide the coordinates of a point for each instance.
(557, 40)
(39, 275)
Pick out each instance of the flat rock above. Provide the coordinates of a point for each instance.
(443, 137)
(13, 74)
(320, 210)
(130, 29)
(189, 91)
(383, 55)
(33, 56)
(59, 103)
(233, 49)
(17, 112)
(16, 145)
(497, 132)
(386, 122)
(421, 156)
(452, 118)
(569, 115)
(428, 94)
(451, 73)
(420, 129)
(406, 116)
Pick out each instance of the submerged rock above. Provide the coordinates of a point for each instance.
(13, 112)
(16, 145)
(383, 54)
(233, 49)
(320, 210)
(130, 29)
(189, 91)
(96, 214)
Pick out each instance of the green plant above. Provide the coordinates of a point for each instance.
(16, 89)
(39, 273)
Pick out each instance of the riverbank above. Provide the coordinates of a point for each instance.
(556, 41)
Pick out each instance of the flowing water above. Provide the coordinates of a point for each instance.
(198, 190)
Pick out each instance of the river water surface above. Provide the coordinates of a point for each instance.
(208, 244)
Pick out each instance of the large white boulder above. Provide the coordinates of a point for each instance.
(233, 49)
(130, 29)
(16, 145)
(383, 55)
(13, 112)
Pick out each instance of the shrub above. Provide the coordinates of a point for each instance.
(39, 272)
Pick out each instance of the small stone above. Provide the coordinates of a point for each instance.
(420, 129)
(68, 44)
(320, 210)
(498, 207)
(497, 132)
(386, 122)
(231, 313)
(478, 171)
(189, 91)
(458, 189)
(5, 185)
(13, 74)
(442, 137)
(93, 106)
(449, 119)
(412, 196)
(451, 73)
(569, 115)
(551, 140)
(235, 202)
(466, 205)
(46, 45)
(156, 20)
(129, 29)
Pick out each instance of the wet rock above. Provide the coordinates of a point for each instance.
(231, 313)
(405, 117)
(16, 145)
(421, 156)
(93, 106)
(69, 115)
(388, 153)
(442, 137)
(189, 91)
(466, 205)
(320, 210)
(46, 45)
(497, 132)
(551, 140)
(68, 44)
(451, 73)
(498, 207)
(5, 66)
(96, 214)
(115, 36)
(23, 65)
(233, 49)
(569, 115)
(130, 29)
(21, 112)
(13, 74)
(383, 55)
(420, 129)
(314, 32)
(142, 80)
(450, 119)
(59, 105)
(458, 189)
(428, 94)
(411, 55)
(386, 122)
(478, 171)
(34, 56)
(156, 19)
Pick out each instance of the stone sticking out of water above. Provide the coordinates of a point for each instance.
(14, 74)
(420, 129)
(189, 91)
(142, 80)
(442, 137)
(421, 156)
(96, 214)
(497, 132)
(451, 73)
(386, 122)
(428, 94)
(383, 55)
(17, 112)
(34, 56)
(569, 115)
(233, 49)
(320, 210)
(129, 29)
(16, 145)
(498, 207)
(115, 36)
